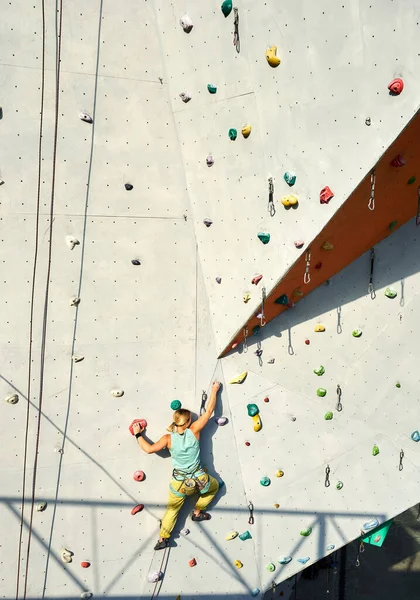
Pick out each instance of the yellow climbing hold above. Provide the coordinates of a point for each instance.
(279, 473)
(238, 564)
(327, 246)
(246, 297)
(289, 200)
(240, 378)
(271, 56)
(257, 422)
(319, 328)
(246, 131)
(276, 505)
(232, 535)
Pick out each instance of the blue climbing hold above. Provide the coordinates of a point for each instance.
(264, 237)
(226, 7)
(283, 299)
(284, 560)
(245, 536)
(370, 525)
(256, 330)
(415, 436)
(255, 592)
(330, 547)
(233, 134)
(265, 481)
(175, 405)
(304, 560)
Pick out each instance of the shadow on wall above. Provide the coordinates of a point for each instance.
(396, 258)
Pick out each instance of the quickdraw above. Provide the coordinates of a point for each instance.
(251, 513)
(401, 466)
(327, 476)
(203, 402)
(372, 264)
(245, 339)
(271, 207)
(339, 406)
(307, 277)
(371, 204)
(236, 41)
(418, 207)
(263, 322)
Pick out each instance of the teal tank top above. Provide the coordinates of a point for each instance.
(185, 450)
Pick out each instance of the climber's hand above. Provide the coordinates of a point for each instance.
(137, 428)
(216, 386)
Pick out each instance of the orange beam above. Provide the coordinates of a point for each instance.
(354, 228)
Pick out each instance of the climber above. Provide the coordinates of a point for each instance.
(188, 476)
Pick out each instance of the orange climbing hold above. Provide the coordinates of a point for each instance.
(192, 562)
(85, 564)
(138, 508)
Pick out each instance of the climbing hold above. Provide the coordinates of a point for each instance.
(265, 481)
(41, 506)
(71, 241)
(299, 243)
(138, 475)
(325, 195)
(175, 405)
(319, 328)
(226, 7)
(290, 178)
(377, 539)
(307, 342)
(330, 547)
(321, 392)
(411, 180)
(392, 225)
(12, 399)
(233, 134)
(267, 399)
(271, 361)
(77, 358)
(264, 237)
(219, 279)
(320, 370)
(255, 280)
(192, 562)
(396, 86)
(75, 301)
(66, 555)
(368, 121)
(246, 297)
(221, 421)
(252, 410)
(398, 161)
(128, 186)
(318, 266)
(255, 331)
(297, 292)
(246, 131)
(257, 423)
(210, 160)
(289, 200)
(415, 436)
(390, 293)
(398, 384)
(136, 509)
(240, 378)
(375, 450)
(255, 592)
(86, 595)
(84, 116)
(141, 422)
(136, 262)
(369, 525)
(85, 564)
(207, 222)
(185, 97)
(276, 505)
(270, 567)
(117, 393)
(279, 473)
(232, 535)
(247, 444)
(212, 88)
(356, 333)
(271, 56)
(339, 485)
(304, 560)
(327, 246)
(186, 23)
(245, 536)
(306, 532)
(283, 299)
(238, 564)
(328, 416)
(284, 560)
(185, 531)
(154, 577)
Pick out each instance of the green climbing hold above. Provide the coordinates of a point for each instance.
(252, 410)
(321, 392)
(398, 384)
(233, 134)
(245, 536)
(390, 293)
(226, 7)
(289, 178)
(212, 88)
(283, 299)
(175, 405)
(306, 532)
(264, 237)
(265, 481)
(375, 450)
(356, 332)
(320, 370)
(328, 416)
(270, 567)
(256, 330)
(339, 485)
(411, 180)
(393, 225)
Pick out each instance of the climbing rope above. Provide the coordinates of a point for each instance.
(263, 322)
(339, 406)
(271, 207)
(159, 581)
(236, 41)
(371, 204)
(307, 277)
(372, 264)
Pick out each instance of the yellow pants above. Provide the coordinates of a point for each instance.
(175, 503)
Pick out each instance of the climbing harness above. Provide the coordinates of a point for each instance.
(195, 478)
(245, 339)
(372, 264)
(271, 207)
(307, 277)
(371, 203)
(401, 466)
(418, 207)
(251, 513)
(263, 322)
(203, 403)
(327, 476)
(339, 406)
(236, 41)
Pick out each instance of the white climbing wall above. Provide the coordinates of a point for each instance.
(155, 330)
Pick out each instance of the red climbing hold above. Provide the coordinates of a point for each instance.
(141, 422)
(256, 279)
(325, 195)
(192, 562)
(398, 161)
(318, 265)
(396, 86)
(138, 475)
(307, 342)
(137, 509)
(247, 444)
(267, 399)
(85, 564)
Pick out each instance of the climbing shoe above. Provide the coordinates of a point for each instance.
(162, 545)
(203, 516)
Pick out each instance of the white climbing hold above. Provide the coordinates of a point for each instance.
(75, 301)
(219, 279)
(154, 577)
(66, 555)
(330, 547)
(41, 506)
(207, 222)
(185, 96)
(86, 595)
(117, 393)
(12, 399)
(210, 160)
(71, 241)
(185, 531)
(186, 23)
(84, 116)
(77, 358)
(370, 525)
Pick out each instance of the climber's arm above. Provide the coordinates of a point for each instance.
(202, 421)
(146, 446)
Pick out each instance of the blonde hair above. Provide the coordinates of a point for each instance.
(181, 417)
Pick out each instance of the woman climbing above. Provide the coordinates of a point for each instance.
(188, 476)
